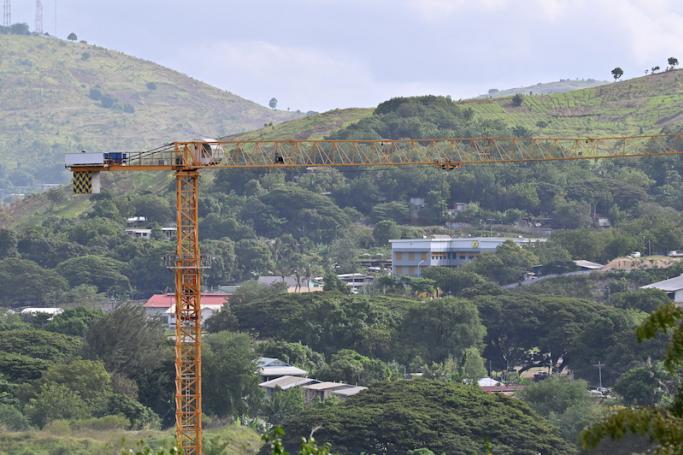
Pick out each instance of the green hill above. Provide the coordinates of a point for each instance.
(641, 105)
(58, 96)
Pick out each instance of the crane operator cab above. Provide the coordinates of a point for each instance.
(210, 152)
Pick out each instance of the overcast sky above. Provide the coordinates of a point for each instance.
(323, 54)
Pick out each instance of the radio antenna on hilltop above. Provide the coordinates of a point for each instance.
(39, 17)
(7, 13)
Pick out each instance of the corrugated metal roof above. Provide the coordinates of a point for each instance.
(670, 285)
(327, 386)
(282, 371)
(286, 382)
(350, 391)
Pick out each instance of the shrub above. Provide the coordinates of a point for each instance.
(105, 423)
(12, 419)
(517, 100)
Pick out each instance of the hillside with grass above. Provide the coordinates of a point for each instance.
(636, 106)
(60, 96)
(545, 88)
(641, 105)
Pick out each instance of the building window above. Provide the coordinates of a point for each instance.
(398, 255)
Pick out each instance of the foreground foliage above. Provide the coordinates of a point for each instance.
(391, 418)
(663, 425)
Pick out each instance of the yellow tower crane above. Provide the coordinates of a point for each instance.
(186, 159)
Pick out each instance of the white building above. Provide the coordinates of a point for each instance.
(673, 287)
(139, 233)
(34, 311)
(410, 256)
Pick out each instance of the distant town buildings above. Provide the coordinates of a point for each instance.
(410, 256)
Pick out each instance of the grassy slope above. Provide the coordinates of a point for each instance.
(648, 103)
(44, 97)
(545, 88)
(241, 441)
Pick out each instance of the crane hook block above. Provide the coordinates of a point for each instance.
(86, 182)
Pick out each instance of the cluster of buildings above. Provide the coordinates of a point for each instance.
(136, 230)
(277, 375)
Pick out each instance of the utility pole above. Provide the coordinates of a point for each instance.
(7, 13)
(599, 366)
(39, 17)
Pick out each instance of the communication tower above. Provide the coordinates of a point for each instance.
(7, 13)
(39, 17)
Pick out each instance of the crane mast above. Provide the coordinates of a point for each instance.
(188, 315)
(187, 159)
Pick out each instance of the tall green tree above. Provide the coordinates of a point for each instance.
(229, 378)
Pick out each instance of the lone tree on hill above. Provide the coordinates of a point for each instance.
(654, 69)
(617, 73)
(272, 103)
(72, 37)
(673, 62)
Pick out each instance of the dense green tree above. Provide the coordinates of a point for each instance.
(448, 418)
(662, 425)
(56, 401)
(327, 322)
(397, 211)
(508, 264)
(351, 367)
(283, 405)
(564, 402)
(539, 330)
(74, 321)
(294, 353)
(8, 243)
(154, 208)
(87, 378)
(21, 368)
(298, 212)
(458, 282)
(222, 261)
(126, 340)
(617, 73)
(441, 328)
(40, 344)
(229, 379)
(26, 283)
(253, 257)
(223, 320)
(646, 300)
(384, 231)
(100, 271)
(642, 386)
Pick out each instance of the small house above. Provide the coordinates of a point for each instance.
(322, 390)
